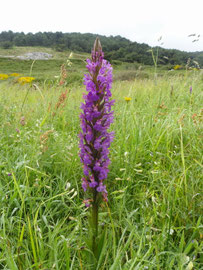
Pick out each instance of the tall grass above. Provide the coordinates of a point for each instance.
(153, 218)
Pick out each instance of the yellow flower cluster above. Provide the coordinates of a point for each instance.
(3, 76)
(127, 99)
(14, 75)
(24, 80)
(177, 67)
(20, 80)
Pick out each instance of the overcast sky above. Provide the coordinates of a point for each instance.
(143, 21)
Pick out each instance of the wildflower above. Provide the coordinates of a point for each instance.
(162, 106)
(3, 76)
(87, 202)
(17, 130)
(127, 99)
(189, 266)
(9, 174)
(177, 67)
(95, 139)
(22, 121)
(61, 101)
(24, 80)
(95, 121)
(44, 139)
(180, 121)
(14, 75)
(69, 63)
(63, 75)
(190, 89)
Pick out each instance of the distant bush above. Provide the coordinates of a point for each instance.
(130, 75)
(132, 66)
(116, 62)
(60, 47)
(6, 45)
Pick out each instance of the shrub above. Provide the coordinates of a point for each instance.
(6, 44)
(130, 75)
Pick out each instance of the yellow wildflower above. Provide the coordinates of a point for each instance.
(3, 76)
(127, 99)
(14, 75)
(24, 80)
(177, 67)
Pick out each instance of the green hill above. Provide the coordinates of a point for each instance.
(115, 47)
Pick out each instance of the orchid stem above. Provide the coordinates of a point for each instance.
(95, 208)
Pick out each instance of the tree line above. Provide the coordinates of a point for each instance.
(116, 48)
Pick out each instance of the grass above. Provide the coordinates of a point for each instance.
(153, 217)
(43, 70)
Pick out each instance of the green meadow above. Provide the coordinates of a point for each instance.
(153, 217)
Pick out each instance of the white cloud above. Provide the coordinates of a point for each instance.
(141, 21)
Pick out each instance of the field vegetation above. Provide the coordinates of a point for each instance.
(153, 217)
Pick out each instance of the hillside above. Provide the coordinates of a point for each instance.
(115, 47)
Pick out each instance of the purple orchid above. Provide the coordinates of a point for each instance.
(96, 118)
